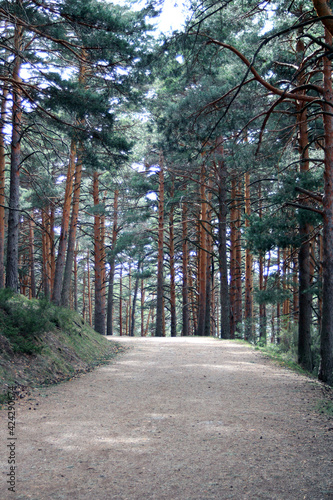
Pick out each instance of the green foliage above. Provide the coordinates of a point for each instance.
(23, 321)
(274, 293)
(270, 231)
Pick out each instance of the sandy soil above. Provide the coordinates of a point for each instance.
(173, 419)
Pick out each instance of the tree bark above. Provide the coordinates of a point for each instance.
(121, 301)
(202, 257)
(45, 253)
(61, 257)
(72, 232)
(209, 259)
(221, 171)
(235, 259)
(305, 297)
(2, 183)
(89, 290)
(326, 345)
(173, 319)
(14, 190)
(142, 307)
(248, 266)
(185, 258)
(135, 294)
(32, 259)
(75, 297)
(160, 279)
(99, 288)
(110, 304)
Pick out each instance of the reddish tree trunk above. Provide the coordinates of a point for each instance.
(112, 265)
(99, 288)
(173, 319)
(32, 293)
(248, 266)
(72, 232)
(142, 307)
(159, 291)
(89, 290)
(60, 263)
(185, 258)
(235, 259)
(221, 174)
(14, 190)
(75, 298)
(326, 346)
(121, 302)
(202, 257)
(2, 184)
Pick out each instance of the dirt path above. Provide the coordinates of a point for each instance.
(174, 419)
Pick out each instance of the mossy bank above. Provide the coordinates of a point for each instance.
(43, 344)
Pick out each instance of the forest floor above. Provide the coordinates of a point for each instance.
(173, 419)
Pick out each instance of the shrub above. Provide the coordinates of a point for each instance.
(22, 321)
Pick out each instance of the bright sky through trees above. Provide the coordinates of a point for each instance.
(172, 17)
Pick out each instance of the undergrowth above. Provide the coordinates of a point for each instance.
(41, 343)
(22, 321)
(286, 359)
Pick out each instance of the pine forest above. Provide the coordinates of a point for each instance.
(172, 183)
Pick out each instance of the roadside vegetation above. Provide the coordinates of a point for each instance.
(41, 343)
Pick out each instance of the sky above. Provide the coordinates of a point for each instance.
(172, 17)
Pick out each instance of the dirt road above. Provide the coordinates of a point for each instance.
(173, 419)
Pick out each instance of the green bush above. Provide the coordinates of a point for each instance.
(23, 321)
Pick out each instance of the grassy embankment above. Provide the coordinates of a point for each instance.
(43, 344)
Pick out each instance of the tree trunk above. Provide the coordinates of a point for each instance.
(45, 253)
(66, 286)
(202, 257)
(121, 302)
(305, 297)
(159, 291)
(99, 288)
(72, 232)
(110, 304)
(89, 290)
(135, 294)
(235, 259)
(193, 303)
(326, 346)
(60, 263)
(32, 259)
(84, 295)
(173, 319)
(14, 190)
(248, 267)
(2, 183)
(221, 171)
(142, 308)
(209, 260)
(239, 313)
(185, 256)
(75, 298)
(129, 304)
